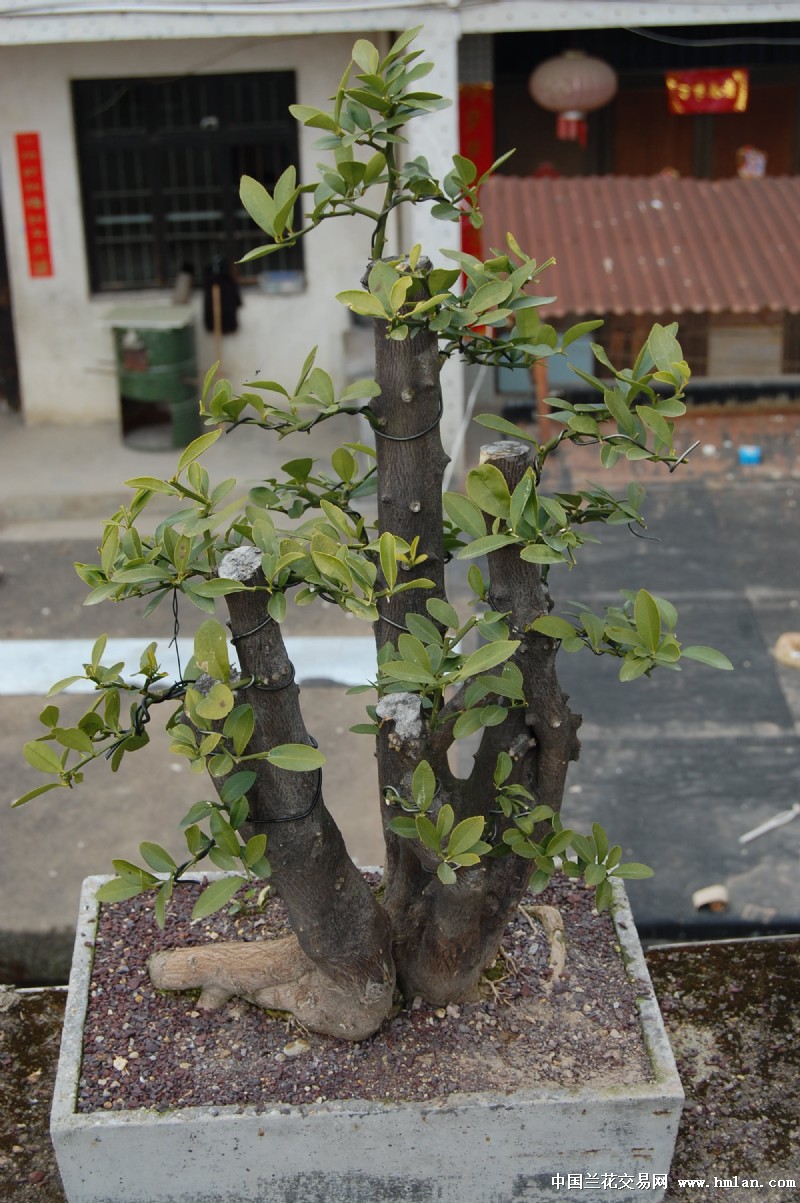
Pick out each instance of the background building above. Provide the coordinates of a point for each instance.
(124, 128)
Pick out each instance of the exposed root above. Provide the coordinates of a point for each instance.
(549, 917)
(276, 975)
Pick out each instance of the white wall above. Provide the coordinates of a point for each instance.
(63, 347)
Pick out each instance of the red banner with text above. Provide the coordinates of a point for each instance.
(476, 137)
(34, 207)
(708, 91)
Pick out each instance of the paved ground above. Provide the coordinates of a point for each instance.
(677, 769)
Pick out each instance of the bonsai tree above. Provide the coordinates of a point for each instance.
(461, 852)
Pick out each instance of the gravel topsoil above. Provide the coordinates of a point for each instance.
(730, 1009)
(531, 1023)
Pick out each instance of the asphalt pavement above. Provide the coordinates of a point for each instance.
(678, 768)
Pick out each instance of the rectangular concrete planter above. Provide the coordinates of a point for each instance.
(474, 1148)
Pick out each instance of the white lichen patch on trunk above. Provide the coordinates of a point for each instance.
(240, 564)
(404, 711)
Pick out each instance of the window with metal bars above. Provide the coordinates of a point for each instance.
(160, 163)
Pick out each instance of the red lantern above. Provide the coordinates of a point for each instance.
(572, 85)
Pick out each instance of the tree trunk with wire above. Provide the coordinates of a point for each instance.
(436, 939)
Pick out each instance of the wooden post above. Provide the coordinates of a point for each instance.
(216, 317)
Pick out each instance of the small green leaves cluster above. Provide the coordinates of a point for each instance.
(312, 400)
(222, 844)
(64, 752)
(640, 633)
(409, 295)
(594, 860)
(361, 131)
(331, 556)
(459, 846)
(642, 412)
(547, 530)
(428, 660)
(453, 845)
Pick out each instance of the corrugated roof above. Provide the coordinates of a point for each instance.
(654, 245)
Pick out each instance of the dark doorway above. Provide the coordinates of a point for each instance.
(9, 379)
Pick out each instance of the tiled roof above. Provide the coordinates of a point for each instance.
(654, 245)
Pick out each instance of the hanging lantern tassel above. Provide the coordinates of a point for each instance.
(572, 85)
(572, 126)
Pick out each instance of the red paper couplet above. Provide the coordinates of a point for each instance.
(34, 208)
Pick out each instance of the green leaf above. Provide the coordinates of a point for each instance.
(486, 657)
(237, 785)
(634, 667)
(707, 655)
(258, 203)
(664, 347)
(495, 422)
(408, 671)
(601, 841)
(211, 650)
(465, 834)
(654, 422)
(388, 556)
(485, 545)
(423, 628)
(254, 850)
(196, 813)
(224, 835)
(196, 449)
(239, 728)
(366, 56)
(540, 553)
(42, 757)
(593, 874)
(647, 618)
(539, 881)
(74, 738)
(34, 793)
(296, 758)
(314, 118)
(633, 871)
(489, 296)
(134, 874)
(363, 303)
(428, 833)
(446, 874)
(443, 612)
(153, 483)
(276, 606)
(423, 785)
(404, 826)
(603, 896)
(215, 896)
(64, 683)
(487, 488)
(157, 857)
(575, 332)
(467, 724)
(217, 703)
(118, 890)
(556, 628)
(218, 587)
(465, 514)
(445, 820)
(162, 898)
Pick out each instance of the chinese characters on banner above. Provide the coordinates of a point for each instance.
(31, 179)
(708, 91)
(476, 136)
